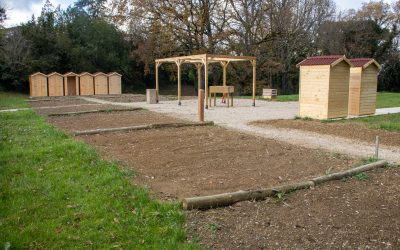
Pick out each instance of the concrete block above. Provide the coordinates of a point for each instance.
(151, 96)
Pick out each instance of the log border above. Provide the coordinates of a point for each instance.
(93, 111)
(226, 199)
(142, 127)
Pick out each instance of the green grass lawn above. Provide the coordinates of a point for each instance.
(384, 99)
(287, 98)
(56, 193)
(12, 100)
(388, 100)
(390, 122)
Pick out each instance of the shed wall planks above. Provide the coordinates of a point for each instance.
(56, 85)
(38, 85)
(86, 84)
(101, 84)
(363, 90)
(339, 90)
(114, 84)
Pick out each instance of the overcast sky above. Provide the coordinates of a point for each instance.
(19, 11)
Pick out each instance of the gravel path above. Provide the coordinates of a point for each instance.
(242, 113)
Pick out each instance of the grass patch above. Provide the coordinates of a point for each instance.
(388, 100)
(389, 122)
(362, 177)
(287, 98)
(57, 193)
(10, 100)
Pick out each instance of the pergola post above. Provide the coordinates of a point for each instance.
(206, 80)
(224, 67)
(157, 84)
(253, 62)
(179, 63)
(198, 67)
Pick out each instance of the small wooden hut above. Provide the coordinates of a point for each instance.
(38, 85)
(56, 84)
(324, 87)
(71, 84)
(100, 84)
(363, 86)
(114, 83)
(86, 84)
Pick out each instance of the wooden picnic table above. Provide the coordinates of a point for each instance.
(224, 90)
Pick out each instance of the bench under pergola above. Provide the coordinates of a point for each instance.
(204, 60)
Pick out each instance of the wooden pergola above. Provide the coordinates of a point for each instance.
(204, 60)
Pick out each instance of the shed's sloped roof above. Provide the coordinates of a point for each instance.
(54, 74)
(323, 60)
(364, 62)
(99, 74)
(38, 73)
(114, 73)
(70, 74)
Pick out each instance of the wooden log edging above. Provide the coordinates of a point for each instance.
(94, 111)
(226, 199)
(142, 127)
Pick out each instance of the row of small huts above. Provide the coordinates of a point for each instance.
(71, 84)
(334, 86)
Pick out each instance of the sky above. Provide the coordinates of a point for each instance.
(20, 11)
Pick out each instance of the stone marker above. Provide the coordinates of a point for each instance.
(151, 96)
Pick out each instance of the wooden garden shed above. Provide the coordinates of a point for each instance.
(363, 86)
(71, 84)
(38, 85)
(324, 87)
(100, 84)
(114, 83)
(56, 84)
(86, 84)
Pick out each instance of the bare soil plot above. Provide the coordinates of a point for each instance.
(196, 161)
(350, 214)
(110, 120)
(354, 131)
(85, 107)
(58, 102)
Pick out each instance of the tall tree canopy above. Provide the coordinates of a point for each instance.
(128, 35)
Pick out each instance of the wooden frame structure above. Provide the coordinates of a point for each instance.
(324, 86)
(114, 83)
(100, 83)
(363, 86)
(38, 85)
(71, 84)
(86, 84)
(55, 83)
(204, 60)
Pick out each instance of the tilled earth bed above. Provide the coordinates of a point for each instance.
(192, 161)
(53, 102)
(112, 119)
(78, 108)
(347, 214)
(353, 131)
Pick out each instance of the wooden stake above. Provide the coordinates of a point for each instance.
(198, 67)
(254, 63)
(377, 147)
(201, 105)
(206, 80)
(157, 84)
(178, 63)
